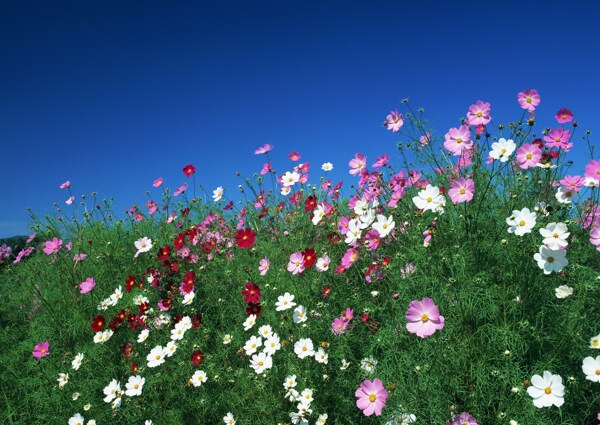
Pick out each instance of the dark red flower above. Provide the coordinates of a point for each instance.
(196, 320)
(114, 324)
(228, 206)
(245, 238)
(121, 316)
(127, 350)
(164, 252)
(310, 257)
(333, 238)
(310, 203)
(143, 307)
(134, 368)
(364, 317)
(326, 291)
(185, 212)
(197, 357)
(254, 309)
(251, 293)
(179, 241)
(188, 170)
(98, 323)
(386, 261)
(129, 283)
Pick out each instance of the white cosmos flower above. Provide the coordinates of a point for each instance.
(272, 344)
(63, 378)
(384, 225)
(289, 179)
(327, 166)
(252, 345)
(249, 322)
(521, 222)
(229, 419)
(563, 291)
(591, 368)
(354, 232)
(188, 298)
(304, 348)
(318, 214)
(265, 331)
(564, 196)
(143, 245)
(156, 357)
(368, 364)
(299, 314)
(285, 302)
(134, 386)
(260, 362)
(551, 260)
(178, 332)
(143, 335)
(547, 391)
(555, 235)
(323, 263)
(112, 391)
(322, 419)
(198, 378)
(429, 199)
(503, 149)
(227, 339)
(218, 194)
(76, 419)
(595, 342)
(170, 348)
(290, 382)
(77, 361)
(321, 356)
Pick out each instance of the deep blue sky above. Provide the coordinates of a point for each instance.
(112, 94)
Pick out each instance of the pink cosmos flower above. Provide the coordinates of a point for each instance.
(592, 169)
(339, 325)
(371, 397)
(79, 257)
(263, 149)
(573, 183)
(458, 140)
(158, 182)
(564, 116)
(357, 164)
(558, 138)
(479, 114)
(265, 169)
(479, 129)
(373, 240)
(31, 237)
(424, 140)
(41, 350)
(53, 246)
(528, 156)
(381, 161)
(350, 257)
(529, 99)
(595, 237)
(263, 266)
(65, 185)
(294, 156)
(394, 121)
(180, 189)
(462, 190)
(296, 263)
(70, 200)
(87, 286)
(424, 318)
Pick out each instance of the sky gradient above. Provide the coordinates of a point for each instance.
(111, 95)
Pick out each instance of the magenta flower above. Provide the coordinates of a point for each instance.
(371, 397)
(529, 99)
(372, 240)
(461, 190)
(158, 182)
(87, 286)
(381, 161)
(294, 156)
(265, 169)
(357, 164)
(529, 156)
(65, 185)
(339, 325)
(53, 246)
(479, 114)
(424, 318)
(463, 419)
(41, 350)
(394, 121)
(592, 169)
(564, 116)
(349, 257)
(263, 149)
(573, 183)
(458, 140)
(180, 189)
(558, 138)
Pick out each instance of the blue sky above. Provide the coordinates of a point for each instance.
(111, 95)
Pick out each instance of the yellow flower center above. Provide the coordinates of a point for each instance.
(595, 343)
(157, 357)
(428, 199)
(136, 386)
(528, 99)
(548, 390)
(522, 223)
(372, 398)
(597, 371)
(260, 363)
(462, 191)
(424, 318)
(479, 114)
(550, 259)
(555, 235)
(459, 140)
(528, 156)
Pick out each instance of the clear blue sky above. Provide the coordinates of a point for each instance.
(111, 94)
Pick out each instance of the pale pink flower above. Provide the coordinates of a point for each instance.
(479, 113)
(592, 169)
(263, 266)
(158, 182)
(528, 156)
(65, 185)
(70, 200)
(558, 138)
(265, 169)
(394, 121)
(53, 246)
(529, 99)
(462, 190)
(458, 140)
(87, 285)
(263, 149)
(424, 318)
(180, 189)
(573, 183)
(381, 161)
(371, 397)
(357, 164)
(350, 256)
(296, 263)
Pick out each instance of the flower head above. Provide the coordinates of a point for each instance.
(424, 318)
(461, 190)
(87, 285)
(479, 114)
(546, 391)
(245, 238)
(41, 350)
(564, 116)
(394, 121)
(521, 222)
(371, 397)
(503, 149)
(263, 149)
(529, 99)
(188, 170)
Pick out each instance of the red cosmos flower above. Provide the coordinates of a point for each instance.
(386, 261)
(98, 323)
(197, 357)
(245, 238)
(127, 350)
(179, 241)
(143, 307)
(228, 206)
(364, 317)
(196, 320)
(164, 252)
(134, 368)
(251, 293)
(254, 309)
(188, 170)
(129, 283)
(309, 257)
(114, 324)
(310, 203)
(326, 292)
(333, 238)
(184, 212)
(295, 198)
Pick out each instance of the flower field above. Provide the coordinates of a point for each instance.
(452, 280)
